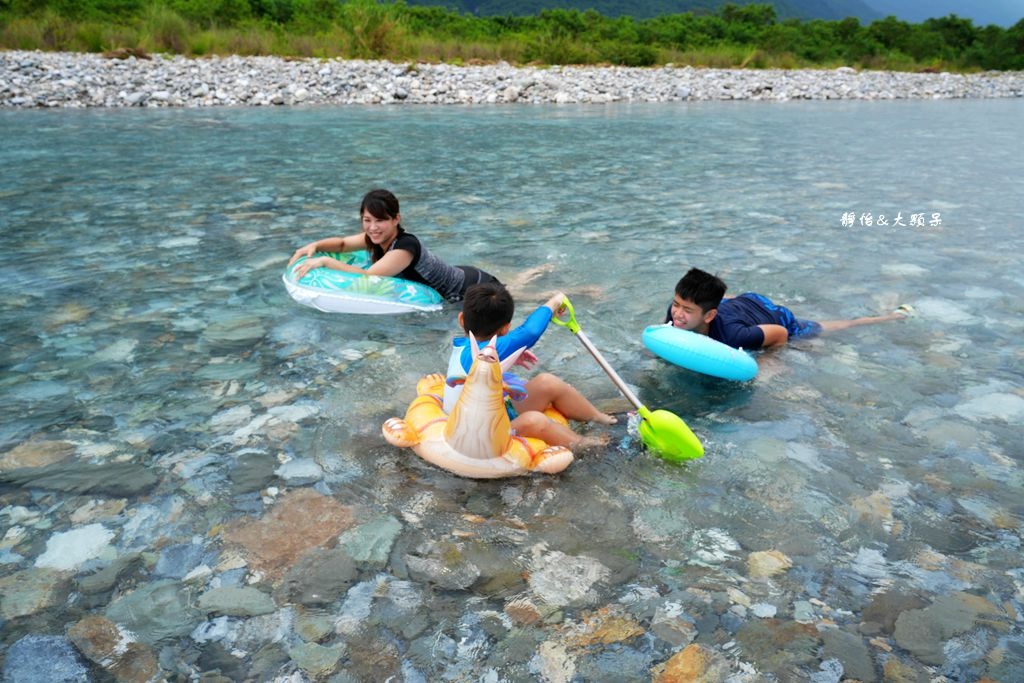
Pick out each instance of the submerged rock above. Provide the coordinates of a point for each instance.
(602, 627)
(671, 624)
(32, 590)
(119, 479)
(774, 645)
(301, 520)
(252, 471)
(319, 578)
(924, 632)
(370, 543)
(696, 664)
(300, 472)
(766, 563)
(850, 650)
(561, 579)
(451, 569)
(236, 601)
(114, 649)
(553, 663)
(316, 660)
(995, 406)
(44, 659)
(177, 561)
(70, 549)
(155, 612)
(36, 453)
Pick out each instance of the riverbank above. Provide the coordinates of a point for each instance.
(62, 79)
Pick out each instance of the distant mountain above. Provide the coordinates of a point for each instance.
(999, 12)
(645, 9)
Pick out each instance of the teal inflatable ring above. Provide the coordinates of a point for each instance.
(699, 353)
(335, 291)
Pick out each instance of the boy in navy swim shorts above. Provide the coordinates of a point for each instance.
(750, 320)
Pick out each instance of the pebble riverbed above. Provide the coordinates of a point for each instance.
(61, 79)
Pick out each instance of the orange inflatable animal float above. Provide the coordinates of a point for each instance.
(476, 439)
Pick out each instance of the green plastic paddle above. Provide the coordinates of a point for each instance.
(662, 432)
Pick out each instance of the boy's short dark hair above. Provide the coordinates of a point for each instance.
(704, 289)
(486, 308)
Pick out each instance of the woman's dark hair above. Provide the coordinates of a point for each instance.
(379, 204)
(486, 308)
(704, 289)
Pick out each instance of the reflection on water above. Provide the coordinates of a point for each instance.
(192, 477)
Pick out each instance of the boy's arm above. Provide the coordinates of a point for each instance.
(741, 335)
(529, 332)
(774, 335)
(556, 303)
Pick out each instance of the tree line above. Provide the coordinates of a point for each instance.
(736, 36)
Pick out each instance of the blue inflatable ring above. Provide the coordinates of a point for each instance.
(335, 291)
(699, 353)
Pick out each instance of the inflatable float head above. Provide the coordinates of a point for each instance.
(476, 439)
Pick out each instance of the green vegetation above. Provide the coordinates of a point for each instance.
(737, 36)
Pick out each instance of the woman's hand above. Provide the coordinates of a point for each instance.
(306, 251)
(307, 265)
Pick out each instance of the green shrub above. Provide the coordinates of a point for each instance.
(547, 50)
(164, 30)
(210, 13)
(627, 54)
(373, 29)
(92, 37)
(57, 32)
(22, 34)
(200, 44)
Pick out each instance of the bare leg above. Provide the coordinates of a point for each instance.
(549, 390)
(539, 426)
(527, 276)
(834, 325)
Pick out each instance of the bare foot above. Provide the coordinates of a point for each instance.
(587, 442)
(605, 419)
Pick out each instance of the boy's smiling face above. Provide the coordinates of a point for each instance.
(687, 315)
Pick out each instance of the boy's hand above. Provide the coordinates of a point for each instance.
(557, 304)
(526, 359)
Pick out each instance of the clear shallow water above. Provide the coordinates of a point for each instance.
(145, 327)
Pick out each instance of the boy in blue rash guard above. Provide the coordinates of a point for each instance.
(748, 321)
(487, 311)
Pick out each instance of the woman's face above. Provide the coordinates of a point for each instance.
(380, 230)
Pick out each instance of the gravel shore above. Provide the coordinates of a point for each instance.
(61, 79)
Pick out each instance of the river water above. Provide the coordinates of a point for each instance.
(191, 457)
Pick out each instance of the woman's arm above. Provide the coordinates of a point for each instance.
(391, 264)
(336, 244)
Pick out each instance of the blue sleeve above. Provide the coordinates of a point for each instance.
(527, 334)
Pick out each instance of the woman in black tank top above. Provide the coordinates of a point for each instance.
(393, 251)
